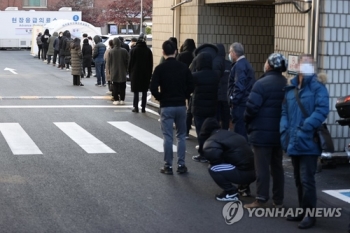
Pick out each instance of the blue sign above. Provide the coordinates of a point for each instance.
(75, 17)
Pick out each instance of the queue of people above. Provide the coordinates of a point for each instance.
(264, 114)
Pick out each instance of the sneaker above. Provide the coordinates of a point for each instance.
(199, 158)
(67, 69)
(166, 170)
(109, 93)
(122, 102)
(98, 85)
(244, 192)
(81, 84)
(104, 85)
(227, 196)
(116, 102)
(135, 110)
(255, 204)
(181, 169)
(44, 60)
(197, 147)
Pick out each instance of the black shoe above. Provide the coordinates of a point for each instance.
(181, 169)
(143, 110)
(135, 110)
(227, 196)
(296, 218)
(81, 84)
(307, 222)
(166, 170)
(199, 158)
(87, 76)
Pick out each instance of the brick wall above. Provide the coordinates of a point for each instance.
(334, 59)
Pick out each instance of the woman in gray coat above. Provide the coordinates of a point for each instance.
(76, 61)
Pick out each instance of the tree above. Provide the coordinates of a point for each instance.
(123, 12)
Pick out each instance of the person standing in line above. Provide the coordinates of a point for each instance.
(99, 51)
(56, 46)
(87, 57)
(205, 96)
(76, 61)
(140, 72)
(241, 82)
(118, 59)
(123, 45)
(66, 50)
(40, 46)
(305, 108)
(45, 40)
(133, 43)
(51, 48)
(174, 40)
(262, 117)
(108, 75)
(62, 50)
(171, 85)
(230, 157)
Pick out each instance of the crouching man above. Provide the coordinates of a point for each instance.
(231, 159)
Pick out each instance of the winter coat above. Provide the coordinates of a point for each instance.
(38, 39)
(45, 38)
(87, 54)
(172, 83)
(218, 61)
(66, 44)
(206, 81)
(223, 84)
(76, 57)
(108, 75)
(118, 59)
(140, 67)
(56, 44)
(51, 43)
(187, 54)
(63, 38)
(223, 146)
(297, 131)
(263, 110)
(99, 50)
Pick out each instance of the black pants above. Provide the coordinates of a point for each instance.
(45, 49)
(55, 53)
(269, 160)
(225, 175)
(62, 63)
(304, 174)
(49, 59)
(76, 80)
(40, 50)
(223, 114)
(119, 91)
(143, 100)
(88, 69)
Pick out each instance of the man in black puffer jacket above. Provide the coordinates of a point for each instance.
(262, 116)
(230, 157)
(205, 95)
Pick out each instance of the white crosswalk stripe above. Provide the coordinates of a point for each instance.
(83, 138)
(18, 140)
(140, 134)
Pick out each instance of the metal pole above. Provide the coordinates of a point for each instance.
(141, 17)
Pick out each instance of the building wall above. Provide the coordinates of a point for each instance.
(334, 59)
(19, 3)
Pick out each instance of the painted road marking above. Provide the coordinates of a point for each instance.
(342, 194)
(140, 134)
(83, 138)
(18, 140)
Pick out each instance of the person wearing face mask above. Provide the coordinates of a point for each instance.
(240, 84)
(297, 133)
(262, 117)
(56, 45)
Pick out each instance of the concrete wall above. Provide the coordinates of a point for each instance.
(334, 59)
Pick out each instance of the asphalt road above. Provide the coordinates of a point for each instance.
(67, 189)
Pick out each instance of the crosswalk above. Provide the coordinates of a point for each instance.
(20, 142)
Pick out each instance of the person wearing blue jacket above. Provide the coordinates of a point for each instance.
(297, 133)
(262, 116)
(240, 84)
(98, 56)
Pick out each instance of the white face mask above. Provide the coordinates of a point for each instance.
(306, 69)
(229, 57)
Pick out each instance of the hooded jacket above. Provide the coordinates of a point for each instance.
(263, 110)
(222, 146)
(218, 61)
(223, 85)
(87, 53)
(99, 49)
(66, 44)
(118, 59)
(187, 54)
(140, 67)
(297, 131)
(76, 57)
(206, 80)
(51, 43)
(45, 38)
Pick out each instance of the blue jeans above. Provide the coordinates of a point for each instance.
(237, 113)
(304, 176)
(198, 122)
(169, 116)
(100, 72)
